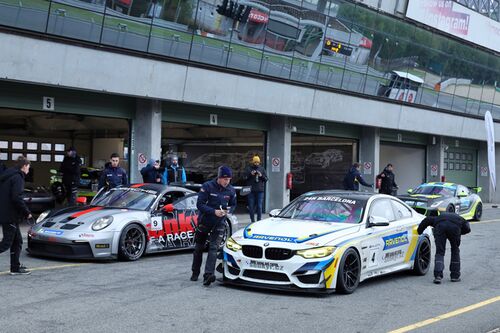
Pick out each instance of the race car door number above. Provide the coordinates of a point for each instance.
(156, 223)
(268, 266)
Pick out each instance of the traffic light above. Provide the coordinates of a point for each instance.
(239, 12)
(222, 9)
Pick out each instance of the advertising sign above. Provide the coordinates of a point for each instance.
(490, 137)
(457, 20)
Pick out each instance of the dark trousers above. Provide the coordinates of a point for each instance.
(255, 203)
(214, 236)
(12, 239)
(71, 192)
(451, 232)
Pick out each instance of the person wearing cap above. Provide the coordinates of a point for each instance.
(353, 178)
(174, 173)
(446, 226)
(151, 173)
(70, 169)
(216, 199)
(113, 175)
(255, 177)
(14, 210)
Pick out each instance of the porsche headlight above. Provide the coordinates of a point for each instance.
(42, 216)
(232, 245)
(102, 223)
(317, 252)
(436, 204)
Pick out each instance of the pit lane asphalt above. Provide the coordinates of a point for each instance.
(154, 294)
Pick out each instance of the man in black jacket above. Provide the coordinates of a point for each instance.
(13, 211)
(447, 226)
(70, 169)
(255, 177)
(353, 178)
(388, 180)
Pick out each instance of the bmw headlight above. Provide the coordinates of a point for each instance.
(317, 252)
(436, 204)
(102, 223)
(42, 216)
(232, 245)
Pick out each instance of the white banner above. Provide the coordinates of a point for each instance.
(490, 137)
(457, 20)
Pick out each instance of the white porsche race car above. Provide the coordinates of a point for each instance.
(327, 241)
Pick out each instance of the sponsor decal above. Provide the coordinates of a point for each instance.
(274, 238)
(330, 198)
(442, 15)
(395, 240)
(258, 16)
(102, 246)
(84, 235)
(268, 266)
(393, 256)
(52, 232)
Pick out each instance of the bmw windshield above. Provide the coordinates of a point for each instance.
(325, 208)
(130, 198)
(446, 191)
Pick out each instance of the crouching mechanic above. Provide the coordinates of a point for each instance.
(216, 199)
(447, 226)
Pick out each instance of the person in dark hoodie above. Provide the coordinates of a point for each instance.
(70, 169)
(151, 173)
(446, 226)
(353, 178)
(14, 210)
(388, 181)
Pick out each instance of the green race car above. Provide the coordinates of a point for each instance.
(428, 198)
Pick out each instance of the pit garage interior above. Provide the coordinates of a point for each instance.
(43, 138)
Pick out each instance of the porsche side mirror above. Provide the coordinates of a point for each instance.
(81, 200)
(377, 221)
(274, 212)
(168, 208)
(410, 191)
(462, 195)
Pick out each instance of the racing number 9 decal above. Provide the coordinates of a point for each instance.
(156, 223)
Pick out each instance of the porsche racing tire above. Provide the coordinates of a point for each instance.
(349, 272)
(450, 209)
(422, 257)
(132, 243)
(478, 213)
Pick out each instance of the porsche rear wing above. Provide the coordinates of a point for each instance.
(240, 190)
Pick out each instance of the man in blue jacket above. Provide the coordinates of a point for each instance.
(354, 178)
(113, 175)
(13, 210)
(216, 199)
(174, 173)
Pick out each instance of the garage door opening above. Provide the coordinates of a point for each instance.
(202, 149)
(319, 162)
(43, 138)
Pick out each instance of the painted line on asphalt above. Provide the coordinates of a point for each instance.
(446, 315)
(44, 268)
(486, 221)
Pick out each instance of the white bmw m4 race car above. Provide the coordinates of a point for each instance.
(328, 241)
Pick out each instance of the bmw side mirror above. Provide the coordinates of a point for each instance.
(274, 212)
(377, 221)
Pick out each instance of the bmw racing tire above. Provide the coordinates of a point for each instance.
(349, 272)
(422, 257)
(132, 243)
(450, 209)
(478, 213)
(226, 235)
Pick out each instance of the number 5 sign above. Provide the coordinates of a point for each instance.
(49, 103)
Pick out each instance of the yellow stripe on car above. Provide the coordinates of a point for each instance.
(413, 244)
